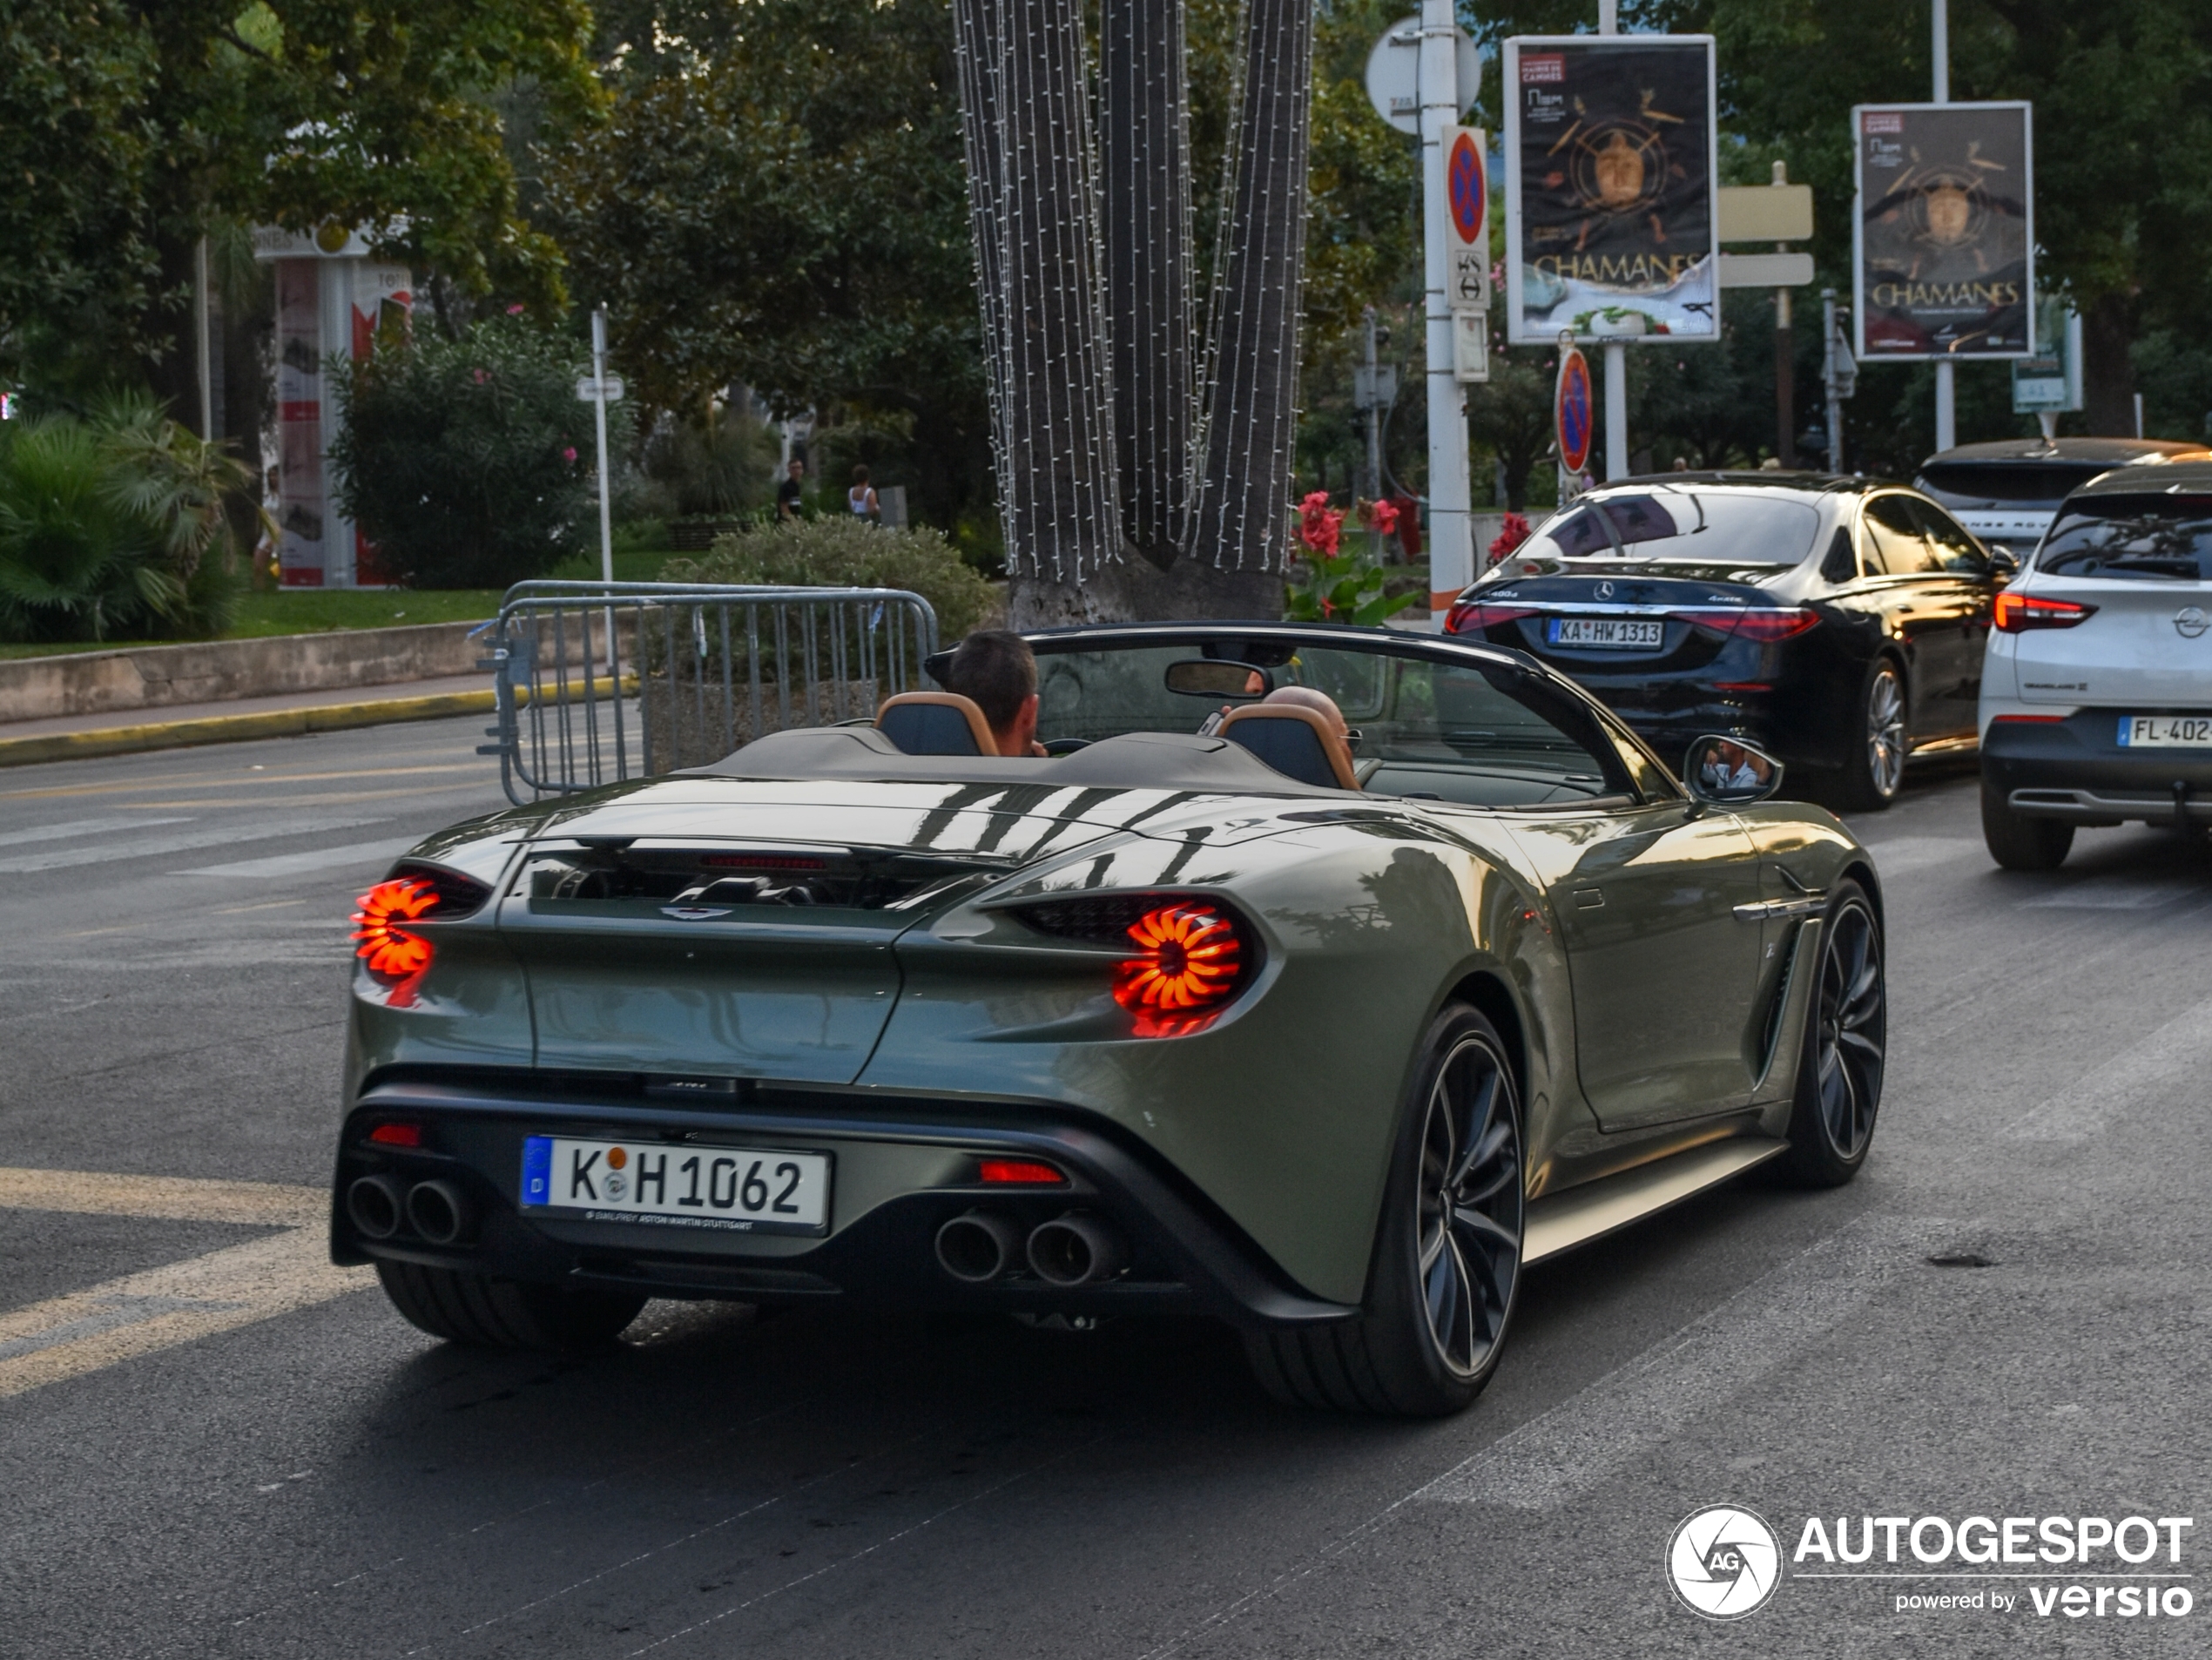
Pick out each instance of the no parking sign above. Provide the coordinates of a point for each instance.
(1571, 410)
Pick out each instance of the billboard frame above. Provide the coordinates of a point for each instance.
(1510, 55)
(1858, 113)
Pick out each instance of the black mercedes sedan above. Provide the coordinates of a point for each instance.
(1837, 623)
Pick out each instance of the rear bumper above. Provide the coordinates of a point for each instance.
(901, 1168)
(2074, 769)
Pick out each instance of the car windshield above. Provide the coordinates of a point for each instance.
(1719, 526)
(2145, 538)
(1479, 735)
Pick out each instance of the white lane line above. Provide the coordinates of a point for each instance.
(227, 836)
(2171, 1059)
(296, 864)
(81, 828)
(169, 1199)
(141, 1314)
(1587, 1439)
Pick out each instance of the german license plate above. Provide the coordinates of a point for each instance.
(1614, 633)
(734, 1190)
(2166, 731)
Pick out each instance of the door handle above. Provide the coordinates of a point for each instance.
(1589, 899)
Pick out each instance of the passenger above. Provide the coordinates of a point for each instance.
(1320, 702)
(996, 671)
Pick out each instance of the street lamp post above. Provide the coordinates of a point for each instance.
(1946, 390)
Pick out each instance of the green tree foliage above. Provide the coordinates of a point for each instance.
(114, 526)
(468, 461)
(779, 200)
(133, 128)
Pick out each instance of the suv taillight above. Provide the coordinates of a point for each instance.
(2017, 613)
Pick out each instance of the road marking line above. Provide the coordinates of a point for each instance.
(142, 1314)
(2175, 1053)
(297, 864)
(1587, 1439)
(225, 835)
(86, 828)
(229, 780)
(169, 1199)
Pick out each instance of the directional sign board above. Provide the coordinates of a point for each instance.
(1394, 74)
(586, 389)
(1573, 411)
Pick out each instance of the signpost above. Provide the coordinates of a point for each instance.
(1611, 231)
(601, 389)
(1573, 415)
(1468, 286)
(2048, 384)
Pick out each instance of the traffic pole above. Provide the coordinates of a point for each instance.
(606, 511)
(1451, 559)
(1947, 388)
(1828, 375)
(1617, 352)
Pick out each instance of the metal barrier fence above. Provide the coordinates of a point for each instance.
(598, 681)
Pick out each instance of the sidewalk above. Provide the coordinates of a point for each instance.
(76, 737)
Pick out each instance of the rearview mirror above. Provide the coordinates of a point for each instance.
(1728, 773)
(2004, 565)
(1212, 678)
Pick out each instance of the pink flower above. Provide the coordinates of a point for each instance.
(515, 310)
(1318, 523)
(569, 455)
(1511, 534)
(1379, 516)
(481, 377)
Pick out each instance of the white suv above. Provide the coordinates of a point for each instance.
(2097, 691)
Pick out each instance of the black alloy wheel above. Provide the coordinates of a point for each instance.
(1839, 1075)
(1446, 1268)
(1874, 771)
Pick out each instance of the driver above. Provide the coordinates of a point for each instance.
(996, 671)
(1730, 767)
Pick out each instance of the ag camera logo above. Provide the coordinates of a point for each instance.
(1725, 1562)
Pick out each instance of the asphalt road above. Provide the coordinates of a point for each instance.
(322, 1480)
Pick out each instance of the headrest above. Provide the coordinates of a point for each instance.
(1296, 741)
(935, 723)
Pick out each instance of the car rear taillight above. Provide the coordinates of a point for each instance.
(1471, 616)
(397, 1135)
(1752, 623)
(2027, 720)
(1184, 957)
(1019, 1172)
(396, 955)
(2017, 613)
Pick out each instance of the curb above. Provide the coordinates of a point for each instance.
(268, 722)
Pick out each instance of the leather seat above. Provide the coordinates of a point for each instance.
(935, 723)
(1296, 741)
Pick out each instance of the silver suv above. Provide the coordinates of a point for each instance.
(2097, 691)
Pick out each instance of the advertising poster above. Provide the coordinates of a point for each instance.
(1610, 227)
(1945, 231)
(302, 509)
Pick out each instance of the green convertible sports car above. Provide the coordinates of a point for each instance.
(1215, 1008)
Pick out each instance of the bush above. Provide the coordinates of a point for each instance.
(846, 552)
(469, 462)
(718, 469)
(114, 527)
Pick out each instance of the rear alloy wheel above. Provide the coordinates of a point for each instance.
(1875, 771)
(1448, 1253)
(2017, 841)
(1846, 1040)
(486, 1313)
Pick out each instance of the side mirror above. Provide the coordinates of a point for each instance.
(1728, 773)
(2004, 565)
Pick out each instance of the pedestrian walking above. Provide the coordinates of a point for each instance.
(862, 498)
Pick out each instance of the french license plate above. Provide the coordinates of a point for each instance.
(2166, 731)
(735, 1190)
(1616, 634)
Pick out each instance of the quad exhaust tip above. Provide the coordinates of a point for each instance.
(976, 1247)
(1076, 1250)
(375, 1206)
(438, 1211)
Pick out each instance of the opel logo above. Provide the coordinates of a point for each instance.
(1605, 591)
(2191, 621)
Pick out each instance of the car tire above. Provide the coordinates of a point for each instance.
(1445, 1276)
(2018, 841)
(1873, 769)
(479, 1311)
(1841, 1060)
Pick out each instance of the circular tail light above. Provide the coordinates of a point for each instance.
(1186, 965)
(394, 957)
